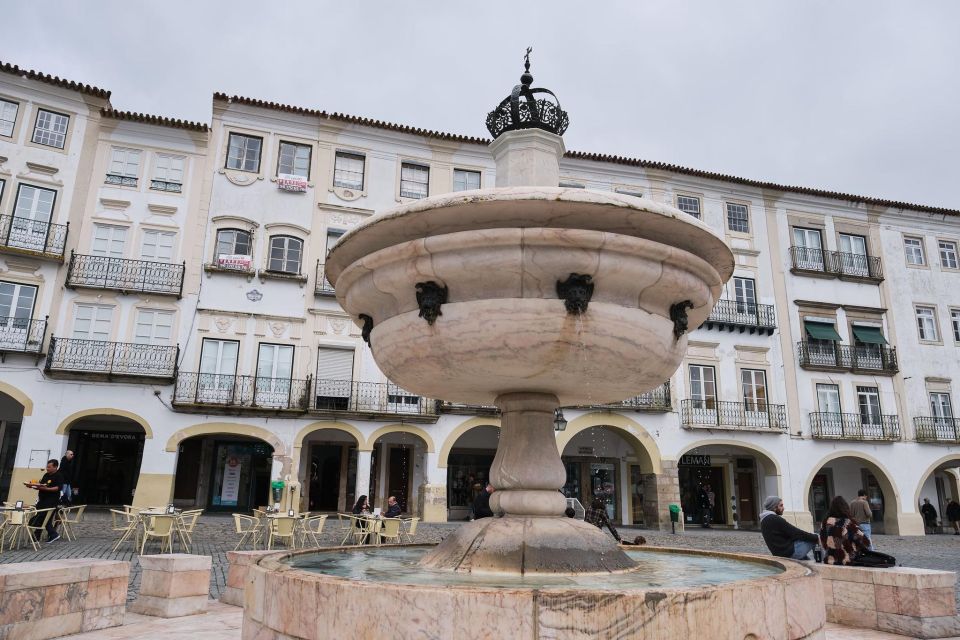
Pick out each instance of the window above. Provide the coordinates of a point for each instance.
(940, 405)
(703, 387)
(51, 129)
(334, 378)
(348, 170)
(955, 321)
(464, 180)
(689, 204)
(294, 159)
(16, 305)
(157, 245)
(636, 193)
(754, 384)
(807, 249)
(34, 203)
(869, 343)
(868, 399)
(108, 240)
(8, 117)
(153, 327)
(168, 173)
(948, 254)
(853, 255)
(737, 217)
(274, 373)
(744, 290)
(822, 338)
(3, 183)
(828, 398)
(233, 242)
(414, 181)
(927, 324)
(243, 153)
(218, 368)
(124, 167)
(92, 322)
(285, 254)
(914, 250)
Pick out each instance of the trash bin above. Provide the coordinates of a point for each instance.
(277, 488)
(674, 513)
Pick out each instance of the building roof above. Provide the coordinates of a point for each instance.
(13, 69)
(161, 121)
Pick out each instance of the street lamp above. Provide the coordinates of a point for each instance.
(559, 422)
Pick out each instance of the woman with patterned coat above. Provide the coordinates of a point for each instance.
(840, 536)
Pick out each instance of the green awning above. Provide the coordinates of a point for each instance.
(869, 335)
(821, 331)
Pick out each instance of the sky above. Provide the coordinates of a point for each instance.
(858, 96)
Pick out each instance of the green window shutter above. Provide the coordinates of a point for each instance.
(869, 335)
(822, 331)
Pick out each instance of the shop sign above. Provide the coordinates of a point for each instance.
(289, 182)
(695, 461)
(231, 482)
(234, 261)
(104, 435)
(585, 451)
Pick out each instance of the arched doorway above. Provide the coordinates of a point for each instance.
(398, 468)
(940, 484)
(844, 474)
(108, 450)
(468, 468)
(223, 472)
(734, 476)
(11, 417)
(328, 467)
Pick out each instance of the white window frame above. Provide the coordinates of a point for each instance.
(691, 205)
(34, 207)
(948, 254)
(754, 389)
(286, 243)
(115, 237)
(294, 169)
(243, 156)
(834, 390)
(955, 324)
(940, 400)
(745, 221)
(216, 243)
(97, 313)
(149, 318)
(54, 132)
(9, 110)
(151, 247)
(17, 297)
(927, 314)
(125, 163)
(706, 398)
(166, 171)
(913, 251)
(466, 174)
(343, 175)
(873, 416)
(410, 184)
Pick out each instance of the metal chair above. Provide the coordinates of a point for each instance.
(162, 527)
(186, 523)
(247, 527)
(411, 530)
(389, 529)
(14, 527)
(284, 528)
(311, 528)
(70, 516)
(35, 531)
(126, 523)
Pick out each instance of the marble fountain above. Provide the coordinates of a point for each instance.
(529, 296)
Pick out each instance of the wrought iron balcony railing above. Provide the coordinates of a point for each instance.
(854, 426)
(121, 181)
(166, 185)
(836, 264)
(870, 358)
(104, 272)
(742, 316)
(747, 414)
(111, 359)
(369, 398)
(33, 237)
(936, 429)
(241, 392)
(21, 335)
(322, 286)
(656, 400)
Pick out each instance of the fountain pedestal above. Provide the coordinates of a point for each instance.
(533, 536)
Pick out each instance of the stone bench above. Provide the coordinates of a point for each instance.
(237, 572)
(173, 585)
(920, 603)
(54, 598)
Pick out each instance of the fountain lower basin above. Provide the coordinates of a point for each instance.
(384, 592)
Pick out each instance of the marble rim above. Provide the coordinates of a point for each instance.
(556, 207)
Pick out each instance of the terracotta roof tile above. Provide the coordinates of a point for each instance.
(13, 69)
(161, 121)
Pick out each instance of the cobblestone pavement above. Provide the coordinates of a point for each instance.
(215, 536)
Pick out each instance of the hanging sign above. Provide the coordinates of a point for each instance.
(290, 182)
(231, 482)
(234, 261)
(694, 461)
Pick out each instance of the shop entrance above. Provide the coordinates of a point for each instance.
(328, 471)
(845, 476)
(11, 417)
(468, 469)
(591, 478)
(108, 451)
(698, 477)
(223, 473)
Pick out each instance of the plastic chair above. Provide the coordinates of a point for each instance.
(284, 528)
(70, 516)
(162, 527)
(35, 531)
(186, 523)
(247, 527)
(13, 527)
(125, 523)
(389, 529)
(411, 530)
(311, 528)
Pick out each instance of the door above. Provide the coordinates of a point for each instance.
(828, 400)
(942, 412)
(325, 464)
(808, 249)
(274, 371)
(108, 266)
(819, 497)
(240, 476)
(853, 255)
(16, 313)
(400, 474)
(107, 465)
(868, 400)
(148, 354)
(334, 378)
(153, 327)
(30, 226)
(746, 497)
(744, 290)
(216, 382)
(91, 325)
(703, 394)
(754, 386)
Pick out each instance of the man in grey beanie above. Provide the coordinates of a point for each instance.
(783, 539)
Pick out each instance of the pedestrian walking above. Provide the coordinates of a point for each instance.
(953, 515)
(929, 513)
(863, 514)
(49, 489)
(67, 473)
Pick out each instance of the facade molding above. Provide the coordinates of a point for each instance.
(67, 422)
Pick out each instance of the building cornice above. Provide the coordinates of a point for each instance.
(30, 74)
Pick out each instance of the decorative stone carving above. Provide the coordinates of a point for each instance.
(222, 324)
(678, 315)
(576, 292)
(338, 325)
(240, 178)
(277, 329)
(254, 295)
(367, 327)
(430, 296)
(345, 219)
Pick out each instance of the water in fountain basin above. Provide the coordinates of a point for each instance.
(655, 571)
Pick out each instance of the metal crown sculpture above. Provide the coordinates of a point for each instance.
(531, 112)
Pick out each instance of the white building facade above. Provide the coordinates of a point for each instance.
(193, 353)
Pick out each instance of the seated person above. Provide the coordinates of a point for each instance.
(842, 540)
(481, 506)
(783, 539)
(393, 509)
(597, 515)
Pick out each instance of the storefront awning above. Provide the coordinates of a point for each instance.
(821, 331)
(869, 335)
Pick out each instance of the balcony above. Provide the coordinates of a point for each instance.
(203, 392)
(734, 416)
(120, 181)
(742, 316)
(854, 426)
(33, 237)
(165, 185)
(874, 359)
(127, 276)
(21, 335)
(322, 287)
(370, 400)
(111, 360)
(835, 264)
(657, 400)
(934, 429)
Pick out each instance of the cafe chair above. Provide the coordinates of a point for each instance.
(70, 516)
(186, 523)
(283, 528)
(389, 530)
(247, 527)
(411, 529)
(311, 527)
(14, 528)
(161, 527)
(126, 524)
(35, 531)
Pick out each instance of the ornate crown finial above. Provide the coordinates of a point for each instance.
(529, 113)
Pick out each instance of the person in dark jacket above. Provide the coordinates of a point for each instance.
(782, 538)
(929, 513)
(597, 516)
(840, 536)
(67, 472)
(953, 515)
(481, 506)
(393, 508)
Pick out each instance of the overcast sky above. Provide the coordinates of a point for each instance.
(860, 96)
